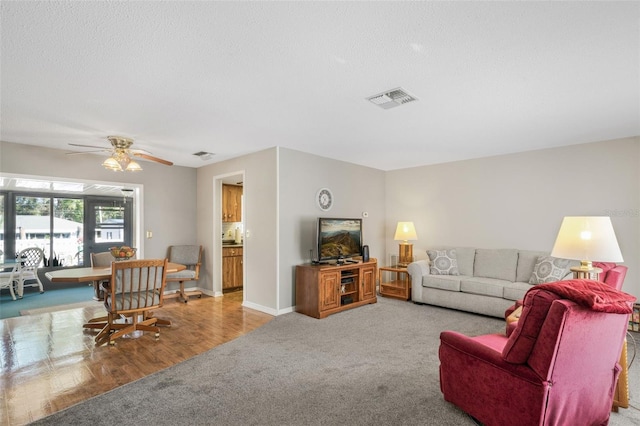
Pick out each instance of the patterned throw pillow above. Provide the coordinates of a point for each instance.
(549, 269)
(443, 262)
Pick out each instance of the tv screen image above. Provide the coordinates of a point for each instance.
(339, 238)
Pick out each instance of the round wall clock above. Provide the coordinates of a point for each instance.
(324, 198)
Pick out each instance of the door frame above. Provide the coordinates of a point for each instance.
(89, 244)
(218, 180)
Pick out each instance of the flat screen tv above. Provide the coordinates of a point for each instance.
(339, 238)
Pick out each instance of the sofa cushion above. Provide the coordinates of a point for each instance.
(534, 312)
(527, 259)
(442, 282)
(443, 262)
(466, 257)
(496, 263)
(515, 291)
(548, 269)
(484, 286)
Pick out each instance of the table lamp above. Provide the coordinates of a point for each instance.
(587, 238)
(405, 232)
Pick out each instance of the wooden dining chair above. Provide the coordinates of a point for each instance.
(135, 289)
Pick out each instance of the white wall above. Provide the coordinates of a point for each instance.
(356, 189)
(169, 192)
(515, 200)
(260, 219)
(280, 213)
(519, 200)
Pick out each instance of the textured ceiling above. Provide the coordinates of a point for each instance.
(236, 77)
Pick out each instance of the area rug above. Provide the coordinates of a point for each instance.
(33, 300)
(373, 365)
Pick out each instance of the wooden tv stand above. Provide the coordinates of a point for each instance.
(322, 290)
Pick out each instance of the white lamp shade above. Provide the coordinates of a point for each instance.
(133, 166)
(111, 164)
(405, 231)
(587, 238)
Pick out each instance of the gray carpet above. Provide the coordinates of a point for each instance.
(374, 365)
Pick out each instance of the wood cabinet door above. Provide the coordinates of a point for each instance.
(329, 290)
(231, 197)
(368, 282)
(228, 272)
(237, 264)
(232, 267)
(238, 204)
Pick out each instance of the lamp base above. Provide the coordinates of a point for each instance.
(586, 265)
(406, 254)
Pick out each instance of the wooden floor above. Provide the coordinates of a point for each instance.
(50, 362)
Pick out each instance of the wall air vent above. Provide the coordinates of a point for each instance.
(204, 156)
(392, 98)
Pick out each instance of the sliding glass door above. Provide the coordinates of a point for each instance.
(108, 224)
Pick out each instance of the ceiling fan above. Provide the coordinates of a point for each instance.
(121, 155)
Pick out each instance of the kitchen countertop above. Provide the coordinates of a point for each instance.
(231, 245)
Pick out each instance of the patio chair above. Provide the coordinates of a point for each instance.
(9, 279)
(28, 262)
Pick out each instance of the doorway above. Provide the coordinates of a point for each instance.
(108, 222)
(229, 232)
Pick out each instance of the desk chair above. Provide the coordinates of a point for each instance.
(100, 260)
(135, 289)
(191, 257)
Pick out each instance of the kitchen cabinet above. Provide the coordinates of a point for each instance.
(231, 203)
(232, 272)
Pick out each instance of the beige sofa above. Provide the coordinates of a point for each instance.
(488, 282)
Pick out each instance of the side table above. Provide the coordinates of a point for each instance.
(399, 287)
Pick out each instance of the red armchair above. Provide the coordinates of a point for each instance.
(558, 367)
(612, 275)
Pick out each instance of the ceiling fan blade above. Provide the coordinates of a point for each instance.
(85, 152)
(152, 158)
(139, 151)
(90, 146)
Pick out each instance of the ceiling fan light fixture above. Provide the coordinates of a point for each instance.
(121, 155)
(112, 164)
(133, 166)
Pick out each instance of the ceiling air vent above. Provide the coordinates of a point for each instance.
(204, 156)
(392, 98)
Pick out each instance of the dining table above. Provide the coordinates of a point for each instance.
(7, 264)
(95, 275)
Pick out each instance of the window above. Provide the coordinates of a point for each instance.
(2, 220)
(61, 227)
